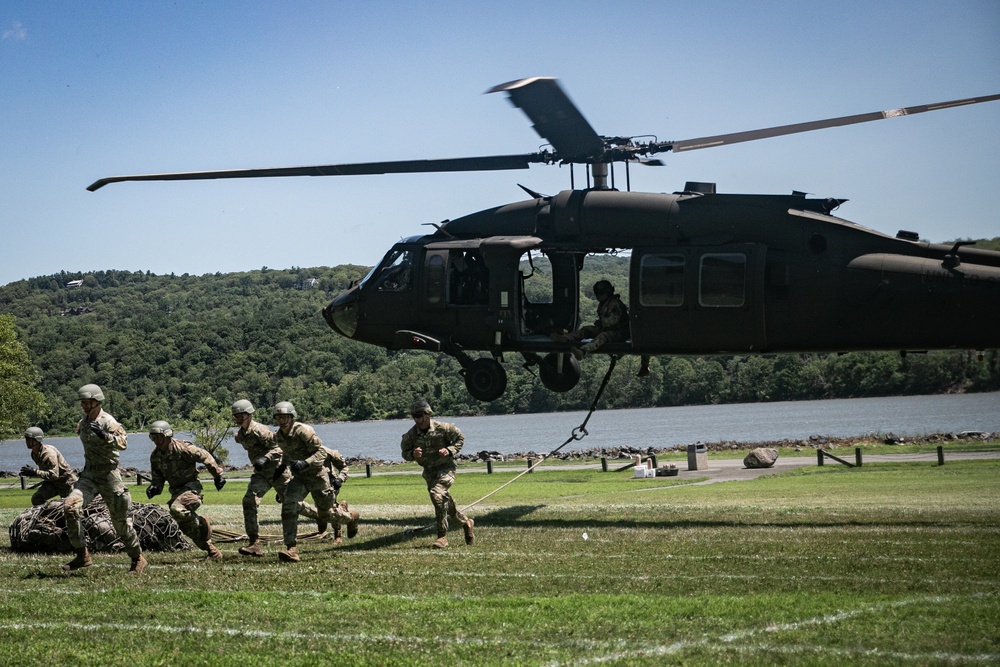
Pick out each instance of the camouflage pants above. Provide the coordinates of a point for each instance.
(439, 482)
(598, 337)
(319, 487)
(184, 508)
(336, 513)
(50, 489)
(260, 484)
(116, 497)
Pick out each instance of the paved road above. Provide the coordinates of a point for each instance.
(729, 470)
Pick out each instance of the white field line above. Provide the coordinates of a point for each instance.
(918, 658)
(727, 642)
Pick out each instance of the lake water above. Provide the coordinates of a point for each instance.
(648, 427)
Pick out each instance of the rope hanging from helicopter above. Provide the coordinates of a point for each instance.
(579, 433)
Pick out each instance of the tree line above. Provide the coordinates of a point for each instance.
(183, 348)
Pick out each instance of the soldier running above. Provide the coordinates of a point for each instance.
(176, 463)
(103, 439)
(57, 476)
(434, 445)
(305, 456)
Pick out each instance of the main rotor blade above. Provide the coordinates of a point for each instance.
(753, 135)
(554, 117)
(487, 163)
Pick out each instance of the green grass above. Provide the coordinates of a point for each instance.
(887, 564)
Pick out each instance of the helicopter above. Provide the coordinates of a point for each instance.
(709, 273)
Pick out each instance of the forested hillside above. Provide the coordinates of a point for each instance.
(167, 346)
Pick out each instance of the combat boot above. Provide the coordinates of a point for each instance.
(254, 548)
(470, 537)
(352, 525)
(289, 555)
(214, 552)
(442, 540)
(82, 560)
(337, 538)
(138, 565)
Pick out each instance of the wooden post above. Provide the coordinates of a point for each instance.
(139, 477)
(940, 451)
(604, 464)
(857, 456)
(837, 459)
(653, 457)
(368, 470)
(489, 466)
(23, 485)
(819, 457)
(530, 461)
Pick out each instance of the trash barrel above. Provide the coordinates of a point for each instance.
(697, 457)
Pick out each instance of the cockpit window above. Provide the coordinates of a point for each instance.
(394, 274)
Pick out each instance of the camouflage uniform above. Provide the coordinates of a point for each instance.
(57, 476)
(439, 471)
(302, 444)
(258, 441)
(101, 476)
(611, 325)
(177, 465)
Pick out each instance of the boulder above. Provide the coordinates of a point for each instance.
(762, 457)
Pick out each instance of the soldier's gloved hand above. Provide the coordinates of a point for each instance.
(28, 471)
(337, 483)
(259, 464)
(219, 483)
(152, 491)
(298, 466)
(98, 430)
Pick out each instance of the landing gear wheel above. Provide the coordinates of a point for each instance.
(552, 379)
(485, 379)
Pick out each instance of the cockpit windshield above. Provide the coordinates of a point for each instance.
(394, 274)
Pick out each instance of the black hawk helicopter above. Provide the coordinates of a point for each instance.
(709, 273)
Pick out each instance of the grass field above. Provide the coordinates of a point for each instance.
(894, 563)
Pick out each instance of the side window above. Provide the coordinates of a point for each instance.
(722, 280)
(435, 277)
(661, 280)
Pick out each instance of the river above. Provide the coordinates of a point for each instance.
(647, 427)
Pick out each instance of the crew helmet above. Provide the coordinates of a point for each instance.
(284, 408)
(91, 392)
(160, 427)
(243, 405)
(34, 433)
(603, 287)
(420, 408)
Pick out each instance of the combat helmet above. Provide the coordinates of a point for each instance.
(420, 408)
(243, 405)
(91, 392)
(284, 408)
(603, 287)
(34, 433)
(160, 427)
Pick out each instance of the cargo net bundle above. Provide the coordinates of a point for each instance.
(42, 529)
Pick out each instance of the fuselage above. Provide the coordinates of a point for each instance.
(709, 274)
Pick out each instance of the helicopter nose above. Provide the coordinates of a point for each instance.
(342, 314)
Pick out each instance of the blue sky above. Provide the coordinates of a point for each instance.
(94, 89)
